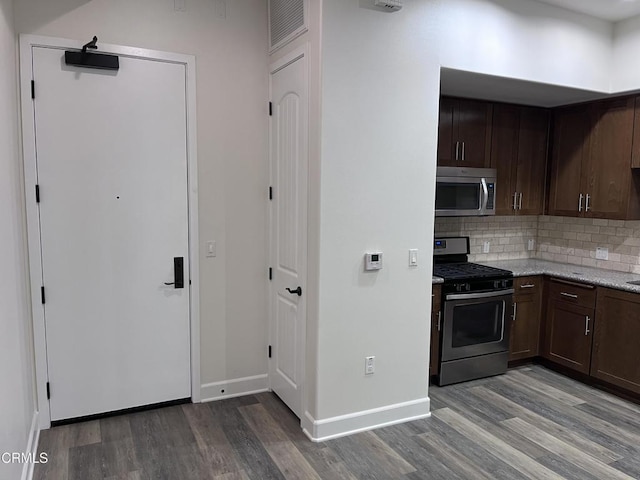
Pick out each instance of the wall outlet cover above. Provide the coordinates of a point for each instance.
(531, 244)
(602, 253)
(486, 246)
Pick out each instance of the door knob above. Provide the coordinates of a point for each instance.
(297, 291)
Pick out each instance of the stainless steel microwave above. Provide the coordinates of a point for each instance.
(466, 192)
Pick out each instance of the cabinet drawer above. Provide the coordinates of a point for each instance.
(572, 292)
(527, 285)
(436, 298)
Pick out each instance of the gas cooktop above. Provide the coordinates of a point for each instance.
(467, 271)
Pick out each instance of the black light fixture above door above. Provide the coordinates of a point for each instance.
(85, 58)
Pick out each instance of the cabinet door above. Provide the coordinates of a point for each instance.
(635, 155)
(616, 339)
(472, 119)
(532, 160)
(569, 138)
(504, 154)
(608, 174)
(525, 321)
(434, 366)
(446, 142)
(436, 317)
(568, 335)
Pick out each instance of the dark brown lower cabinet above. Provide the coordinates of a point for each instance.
(434, 367)
(525, 321)
(568, 324)
(616, 343)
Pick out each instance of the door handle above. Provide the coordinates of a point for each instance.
(586, 205)
(515, 201)
(463, 151)
(520, 202)
(178, 273)
(297, 291)
(515, 311)
(580, 203)
(586, 325)
(457, 150)
(570, 295)
(439, 318)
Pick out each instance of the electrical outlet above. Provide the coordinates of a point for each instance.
(211, 249)
(531, 244)
(602, 253)
(486, 247)
(369, 365)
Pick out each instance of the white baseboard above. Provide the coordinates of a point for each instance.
(234, 388)
(340, 426)
(32, 448)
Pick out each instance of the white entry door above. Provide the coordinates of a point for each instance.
(112, 174)
(288, 221)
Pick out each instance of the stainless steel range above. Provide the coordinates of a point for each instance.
(477, 301)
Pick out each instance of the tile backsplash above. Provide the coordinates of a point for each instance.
(508, 236)
(560, 239)
(574, 240)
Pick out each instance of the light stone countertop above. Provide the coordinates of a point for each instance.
(593, 276)
(435, 280)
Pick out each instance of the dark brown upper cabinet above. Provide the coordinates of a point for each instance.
(464, 134)
(519, 154)
(591, 173)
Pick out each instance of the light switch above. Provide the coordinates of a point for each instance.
(211, 249)
(413, 257)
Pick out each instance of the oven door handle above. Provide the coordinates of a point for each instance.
(472, 296)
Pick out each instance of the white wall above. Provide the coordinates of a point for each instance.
(380, 88)
(379, 123)
(522, 39)
(625, 72)
(232, 82)
(17, 404)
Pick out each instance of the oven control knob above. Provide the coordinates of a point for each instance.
(467, 287)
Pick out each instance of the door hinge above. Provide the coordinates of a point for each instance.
(270, 273)
(42, 294)
(270, 193)
(33, 89)
(37, 193)
(48, 391)
(269, 351)
(270, 109)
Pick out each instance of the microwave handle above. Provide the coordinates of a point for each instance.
(485, 195)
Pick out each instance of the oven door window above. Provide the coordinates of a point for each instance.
(457, 196)
(477, 324)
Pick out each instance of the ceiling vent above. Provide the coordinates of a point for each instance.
(388, 5)
(287, 20)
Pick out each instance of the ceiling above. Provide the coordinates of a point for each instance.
(612, 10)
(458, 83)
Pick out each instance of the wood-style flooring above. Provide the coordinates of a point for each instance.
(528, 424)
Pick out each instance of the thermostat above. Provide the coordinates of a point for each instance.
(373, 261)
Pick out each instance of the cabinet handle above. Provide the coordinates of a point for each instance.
(515, 201)
(463, 151)
(457, 150)
(439, 317)
(570, 295)
(586, 208)
(586, 325)
(528, 285)
(580, 203)
(520, 202)
(515, 310)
